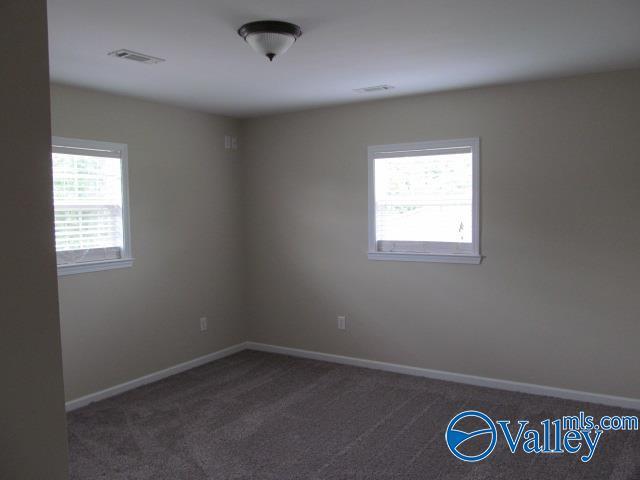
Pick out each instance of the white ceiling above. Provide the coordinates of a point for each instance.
(415, 45)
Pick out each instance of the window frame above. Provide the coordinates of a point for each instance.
(111, 150)
(440, 251)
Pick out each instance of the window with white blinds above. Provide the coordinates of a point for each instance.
(90, 205)
(423, 201)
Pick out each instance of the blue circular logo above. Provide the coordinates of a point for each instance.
(456, 437)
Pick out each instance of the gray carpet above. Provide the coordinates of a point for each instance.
(262, 416)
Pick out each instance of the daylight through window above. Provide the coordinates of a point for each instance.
(89, 202)
(423, 201)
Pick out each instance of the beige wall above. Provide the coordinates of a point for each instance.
(33, 444)
(555, 301)
(121, 324)
(552, 303)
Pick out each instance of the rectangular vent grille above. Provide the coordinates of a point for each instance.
(375, 88)
(135, 56)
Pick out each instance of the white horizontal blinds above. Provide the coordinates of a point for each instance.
(87, 186)
(424, 200)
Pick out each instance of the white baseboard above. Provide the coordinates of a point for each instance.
(630, 403)
(152, 377)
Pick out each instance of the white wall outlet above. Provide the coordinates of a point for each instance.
(342, 322)
(204, 324)
(230, 142)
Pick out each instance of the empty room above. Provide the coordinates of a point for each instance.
(338, 239)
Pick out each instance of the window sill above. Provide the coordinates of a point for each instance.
(87, 267)
(426, 257)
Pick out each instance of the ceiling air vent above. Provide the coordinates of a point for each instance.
(375, 88)
(135, 56)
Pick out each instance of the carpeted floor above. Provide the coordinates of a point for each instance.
(262, 416)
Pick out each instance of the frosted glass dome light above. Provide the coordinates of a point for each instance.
(270, 38)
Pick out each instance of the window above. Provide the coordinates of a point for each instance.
(424, 202)
(90, 196)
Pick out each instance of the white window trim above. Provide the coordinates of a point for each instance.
(73, 269)
(104, 149)
(410, 149)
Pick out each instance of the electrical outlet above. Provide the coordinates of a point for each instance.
(230, 142)
(204, 325)
(342, 322)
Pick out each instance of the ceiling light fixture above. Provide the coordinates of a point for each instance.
(270, 37)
